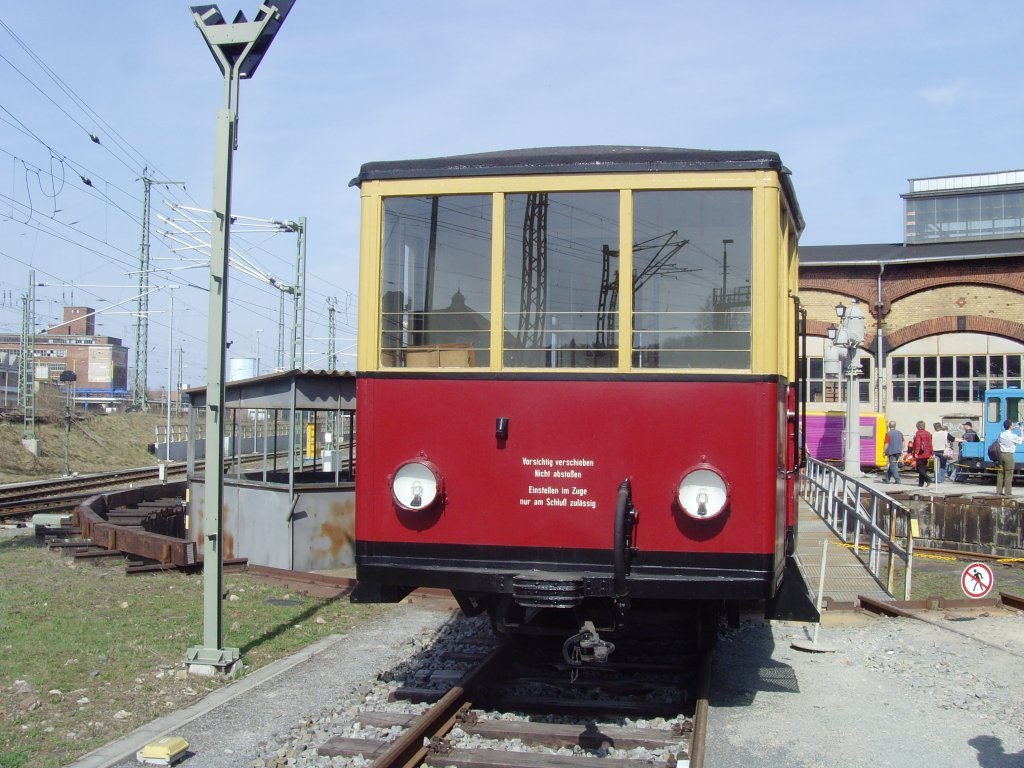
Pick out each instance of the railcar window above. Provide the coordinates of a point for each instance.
(560, 259)
(992, 412)
(436, 281)
(691, 279)
(1014, 412)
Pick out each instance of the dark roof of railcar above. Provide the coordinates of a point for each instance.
(591, 159)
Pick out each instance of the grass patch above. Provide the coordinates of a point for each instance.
(96, 443)
(88, 654)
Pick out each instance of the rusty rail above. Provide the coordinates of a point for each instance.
(408, 749)
(132, 540)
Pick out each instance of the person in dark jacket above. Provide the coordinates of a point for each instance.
(893, 450)
(921, 448)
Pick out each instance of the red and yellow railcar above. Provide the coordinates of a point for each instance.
(577, 380)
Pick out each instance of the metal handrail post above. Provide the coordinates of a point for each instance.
(891, 574)
(910, 564)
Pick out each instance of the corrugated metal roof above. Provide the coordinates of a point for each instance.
(314, 390)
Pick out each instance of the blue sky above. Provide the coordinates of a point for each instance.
(856, 97)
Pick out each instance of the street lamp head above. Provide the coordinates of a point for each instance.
(242, 44)
(854, 323)
(831, 332)
(840, 310)
(831, 361)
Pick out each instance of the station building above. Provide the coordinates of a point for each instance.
(100, 363)
(944, 309)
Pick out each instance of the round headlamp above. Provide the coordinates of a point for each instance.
(416, 485)
(703, 494)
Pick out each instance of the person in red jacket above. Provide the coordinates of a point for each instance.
(921, 448)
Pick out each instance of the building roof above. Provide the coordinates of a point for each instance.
(311, 390)
(898, 253)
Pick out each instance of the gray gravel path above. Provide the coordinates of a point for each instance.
(895, 692)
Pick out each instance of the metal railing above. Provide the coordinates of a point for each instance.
(875, 526)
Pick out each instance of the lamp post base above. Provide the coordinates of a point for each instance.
(207, 662)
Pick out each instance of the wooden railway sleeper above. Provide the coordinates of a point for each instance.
(408, 749)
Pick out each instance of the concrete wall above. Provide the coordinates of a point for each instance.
(971, 526)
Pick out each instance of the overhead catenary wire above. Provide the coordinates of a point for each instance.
(46, 194)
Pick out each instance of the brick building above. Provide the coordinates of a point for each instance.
(99, 362)
(944, 310)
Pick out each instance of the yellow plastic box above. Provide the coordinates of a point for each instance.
(164, 751)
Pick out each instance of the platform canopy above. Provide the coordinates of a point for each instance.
(312, 390)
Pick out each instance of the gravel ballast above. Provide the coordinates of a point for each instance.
(893, 692)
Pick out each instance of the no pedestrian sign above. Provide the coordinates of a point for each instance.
(977, 580)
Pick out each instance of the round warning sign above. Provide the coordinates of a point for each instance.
(977, 580)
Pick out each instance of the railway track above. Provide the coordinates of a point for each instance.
(19, 501)
(22, 500)
(485, 704)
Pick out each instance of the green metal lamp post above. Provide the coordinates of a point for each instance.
(238, 48)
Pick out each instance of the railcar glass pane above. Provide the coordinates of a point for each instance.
(691, 279)
(992, 410)
(1013, 409)
(436, 281)
(561, 270)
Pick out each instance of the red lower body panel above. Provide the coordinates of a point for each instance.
(543, 499)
